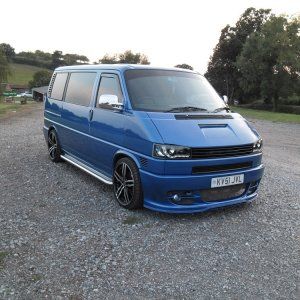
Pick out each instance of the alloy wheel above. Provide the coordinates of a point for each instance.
(124, 184)
(52, 144)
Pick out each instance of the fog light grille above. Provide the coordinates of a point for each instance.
(253, 187)
(182, 197)
(222, 193)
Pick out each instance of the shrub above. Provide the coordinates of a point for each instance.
(290, 109)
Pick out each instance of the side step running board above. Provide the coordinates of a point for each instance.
(86, 168)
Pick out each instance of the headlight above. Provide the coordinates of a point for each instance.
(257, 147)
(171, 151)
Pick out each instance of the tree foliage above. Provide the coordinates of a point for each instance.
(108, 59)
(46, 60)
(40, 78)
(38, 58)
(4, 68)
(270, 59)
(75, 59)
(7, 50)
(222, 70)
(127, 57)
(184, 66)
(57, 59)
(133, 58)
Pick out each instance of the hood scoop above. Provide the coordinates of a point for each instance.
(212, 125)
(202, 117)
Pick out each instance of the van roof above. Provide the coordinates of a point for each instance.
(118, 67)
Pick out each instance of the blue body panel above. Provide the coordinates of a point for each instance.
(97, 136)
(203, 133)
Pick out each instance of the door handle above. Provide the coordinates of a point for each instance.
(91, 115)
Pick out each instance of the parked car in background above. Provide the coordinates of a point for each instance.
(26, 94)
(163, 138)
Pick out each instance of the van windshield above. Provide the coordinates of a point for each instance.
(171, 91)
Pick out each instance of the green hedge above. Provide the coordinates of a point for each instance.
(290, 109)
(32, 62)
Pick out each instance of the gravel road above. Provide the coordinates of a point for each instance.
(63, 236)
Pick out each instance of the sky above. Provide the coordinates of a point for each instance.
(169, 32)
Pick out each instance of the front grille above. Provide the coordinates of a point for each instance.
(223, 193)
(221, 168)
(215, 152)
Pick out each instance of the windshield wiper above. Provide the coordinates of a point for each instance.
(186, 108)
(221, 108)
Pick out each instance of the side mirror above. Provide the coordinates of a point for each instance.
(225, 99)
(111, 100)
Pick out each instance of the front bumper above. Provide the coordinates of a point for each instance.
(157, 189)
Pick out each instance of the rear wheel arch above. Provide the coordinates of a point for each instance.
(53, 145)
(53, 127)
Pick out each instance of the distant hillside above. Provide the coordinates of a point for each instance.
(22, 74)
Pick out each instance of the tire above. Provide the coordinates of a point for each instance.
(53, 146)
(127, 184)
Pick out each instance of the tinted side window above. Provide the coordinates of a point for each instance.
(59, 86)
(109, 85)
(80, 88)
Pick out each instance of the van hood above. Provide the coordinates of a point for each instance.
(203, 130)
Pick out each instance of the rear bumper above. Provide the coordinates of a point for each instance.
(157, 189)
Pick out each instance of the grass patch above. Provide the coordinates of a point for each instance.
(3, 254)
(267, 115)
(131, 220)
(6, 108)
(22, 74)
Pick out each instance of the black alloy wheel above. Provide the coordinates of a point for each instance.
(127, 184)
(53, 146)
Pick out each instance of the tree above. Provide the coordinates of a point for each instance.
(133, 58)
(8, 51)
(48, 60)
(4, 68)
(57, 59)
(40, 78)
(43, 56)
(222, 71)
(75, 59)
(127, 57)
(184, 66)
(270, 59)
(109, 59)
(37, 58)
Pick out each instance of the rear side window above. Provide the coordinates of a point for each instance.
(80, 88)
(109, 85)
(58, 86)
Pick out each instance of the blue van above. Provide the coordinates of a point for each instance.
(162, 137)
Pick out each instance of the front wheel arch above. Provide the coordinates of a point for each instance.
(122, 154)
(127, 185)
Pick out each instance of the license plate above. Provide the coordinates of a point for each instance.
(227, 180)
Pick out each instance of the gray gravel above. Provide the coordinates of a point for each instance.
(62, 235)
